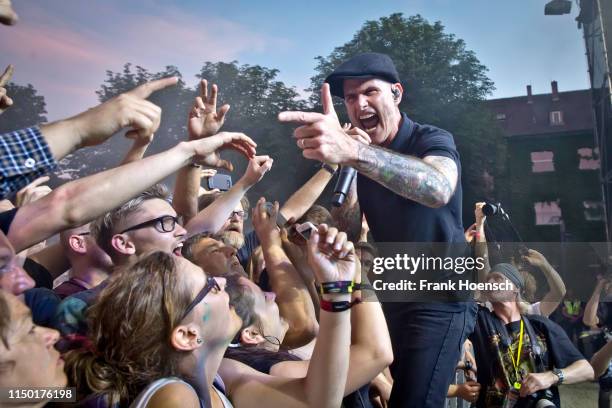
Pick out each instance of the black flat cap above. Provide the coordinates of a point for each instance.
(362, 66)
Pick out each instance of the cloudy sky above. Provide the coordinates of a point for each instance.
(64, 47)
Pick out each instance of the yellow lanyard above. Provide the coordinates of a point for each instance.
(516, 364)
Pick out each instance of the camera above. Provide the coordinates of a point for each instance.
(492, 209)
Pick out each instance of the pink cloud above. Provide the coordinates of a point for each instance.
(64, 49)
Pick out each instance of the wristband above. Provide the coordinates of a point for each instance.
(363, 286)
(336, 287)
(337, 306)
(329, 168)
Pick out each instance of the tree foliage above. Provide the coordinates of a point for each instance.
(28, 108)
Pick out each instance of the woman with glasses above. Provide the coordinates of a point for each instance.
(160, 329)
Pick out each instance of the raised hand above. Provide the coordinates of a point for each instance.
(321, 137)
(5, 100)
(479, 215)
(257, 168)
(207, 149)
(264, 224)
(129, 110)
(535, 258)
(204, 119)
(331, 257)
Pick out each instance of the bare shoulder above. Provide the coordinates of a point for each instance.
(173, 395)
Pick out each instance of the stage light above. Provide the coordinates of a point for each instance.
(557, 7)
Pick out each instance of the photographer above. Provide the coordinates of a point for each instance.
(521, 358)
(475, 234)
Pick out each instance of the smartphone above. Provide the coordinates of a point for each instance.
(305, 230)
(280, 220)
(222, 182)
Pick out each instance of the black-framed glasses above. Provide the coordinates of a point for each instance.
(210, 284)
(165, 223)
(241, 214)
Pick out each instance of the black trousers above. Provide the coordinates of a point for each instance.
(426, 345)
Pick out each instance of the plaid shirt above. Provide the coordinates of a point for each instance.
(24, 156)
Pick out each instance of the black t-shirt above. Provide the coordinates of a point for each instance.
(557, 351)
(6, 218)
(393, 218)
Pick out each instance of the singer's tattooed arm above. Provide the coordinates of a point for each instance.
(430, 181)
(348, 216)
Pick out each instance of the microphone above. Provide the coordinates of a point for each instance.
(343, 185)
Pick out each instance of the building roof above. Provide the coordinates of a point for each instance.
(523, 118)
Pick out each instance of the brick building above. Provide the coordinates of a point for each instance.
(551, 188)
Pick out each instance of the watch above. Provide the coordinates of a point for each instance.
(560, 375)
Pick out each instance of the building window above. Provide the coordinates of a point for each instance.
(547, 213)
(593, 210)
(542, 162)
(556, 118)
(500, 116)
(589, 158)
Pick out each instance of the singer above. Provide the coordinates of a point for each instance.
(409, 188)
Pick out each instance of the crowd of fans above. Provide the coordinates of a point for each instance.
(143, 300)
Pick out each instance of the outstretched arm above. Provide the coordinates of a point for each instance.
(292, 296)
(553, 297)
(332, 259)
(80, 201)
(590, 310)
(214, 216)
(307, 195)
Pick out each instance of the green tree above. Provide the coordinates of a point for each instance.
(444, 85)
(174, 101)
(255, 96)
(28, 108)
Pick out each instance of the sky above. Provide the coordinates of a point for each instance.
(63, 48)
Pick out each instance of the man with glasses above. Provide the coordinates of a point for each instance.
(144, 224)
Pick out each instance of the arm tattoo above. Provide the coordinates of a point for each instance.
(430, 181)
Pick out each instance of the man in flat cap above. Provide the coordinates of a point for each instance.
(409, 190)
